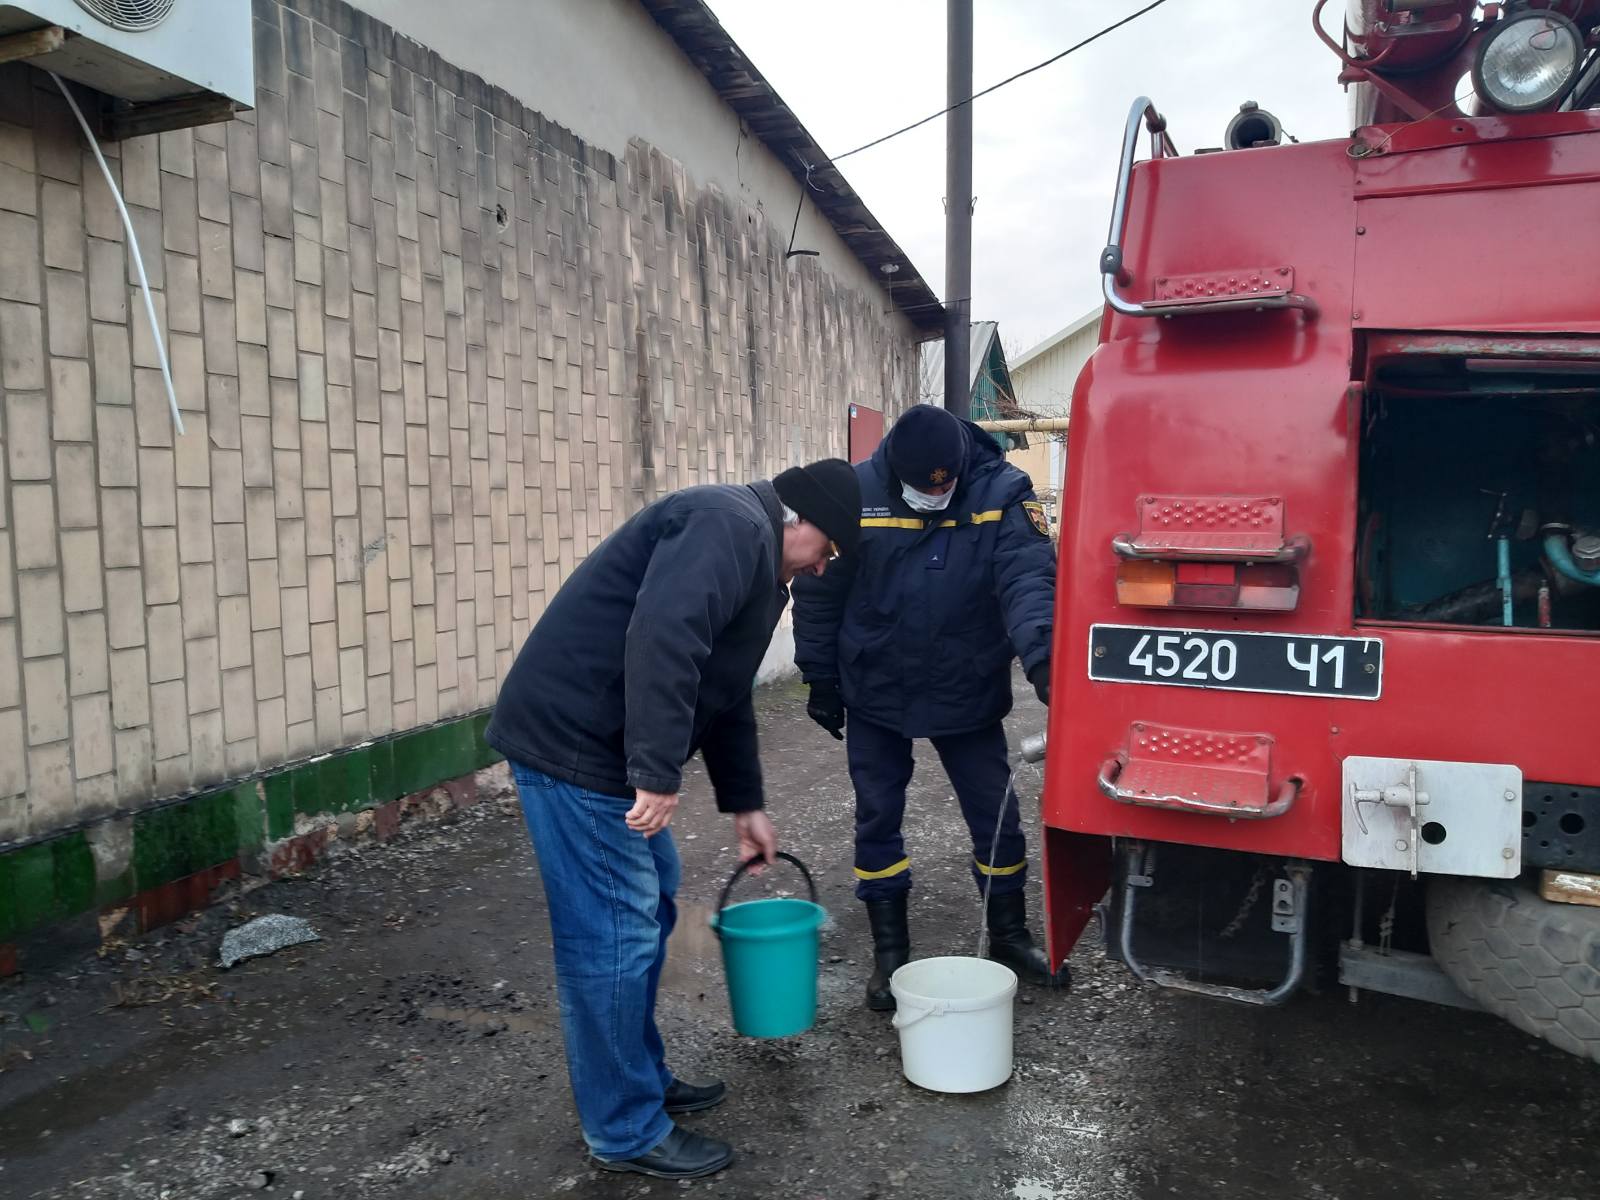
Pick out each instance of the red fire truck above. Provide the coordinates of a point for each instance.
(1327, 678)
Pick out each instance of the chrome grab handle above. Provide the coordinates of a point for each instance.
(1124, 545)
(1111, 771)
(1143, 110)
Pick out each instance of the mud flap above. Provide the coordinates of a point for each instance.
(1077, 876)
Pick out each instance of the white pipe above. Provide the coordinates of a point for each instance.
(1025, 425)
(133, 244)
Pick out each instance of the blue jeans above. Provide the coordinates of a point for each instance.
(610, 894)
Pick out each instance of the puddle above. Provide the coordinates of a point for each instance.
(107, 1091)
(694, 956)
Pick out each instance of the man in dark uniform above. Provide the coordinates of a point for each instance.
(913, 637)
(646, 655)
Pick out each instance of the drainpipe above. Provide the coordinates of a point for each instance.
(958, 211)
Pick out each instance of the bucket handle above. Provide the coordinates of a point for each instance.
(903, 1019)
(756, 861)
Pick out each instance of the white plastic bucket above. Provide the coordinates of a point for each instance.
(954, 1018)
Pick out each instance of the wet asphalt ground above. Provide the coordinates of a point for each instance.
(415, 1050)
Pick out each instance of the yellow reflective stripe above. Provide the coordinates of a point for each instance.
(903, 865)
(986, 870)
(978, 518)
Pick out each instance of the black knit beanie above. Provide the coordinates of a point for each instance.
(927, 447)
(827, 494)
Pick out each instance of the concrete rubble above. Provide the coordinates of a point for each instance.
(263, 936)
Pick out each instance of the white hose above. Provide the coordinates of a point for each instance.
(133, 244)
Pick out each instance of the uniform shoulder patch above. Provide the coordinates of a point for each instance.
(1036, 517)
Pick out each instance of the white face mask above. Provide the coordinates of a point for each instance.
(922, 502)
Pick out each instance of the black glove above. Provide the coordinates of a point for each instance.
(826, 707)
(1040, 678)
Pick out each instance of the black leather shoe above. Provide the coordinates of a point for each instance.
(1011, 943)
(891, 948)
(681, 1155)
(695, 1097)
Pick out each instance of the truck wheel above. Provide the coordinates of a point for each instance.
(1535, 963)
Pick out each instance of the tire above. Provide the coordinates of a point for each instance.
(1535, 963)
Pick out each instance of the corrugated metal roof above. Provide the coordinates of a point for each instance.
(931, 382)
(701, 37)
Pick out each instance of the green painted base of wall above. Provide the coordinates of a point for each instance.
(58, 878)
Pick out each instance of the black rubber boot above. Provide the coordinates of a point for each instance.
(1011, 943)
(891, 948)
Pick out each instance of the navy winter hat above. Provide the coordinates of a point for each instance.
(927, 447)
(827, 494)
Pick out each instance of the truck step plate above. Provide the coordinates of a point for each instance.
(1286, 664)
(1226, 527)
(1198, 769)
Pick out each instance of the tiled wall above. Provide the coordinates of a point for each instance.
(429, 349)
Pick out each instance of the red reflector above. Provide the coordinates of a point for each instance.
(1269, 575)
(1208, 572)
(1205, 595)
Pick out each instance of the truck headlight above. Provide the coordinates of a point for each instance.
(1527, 61)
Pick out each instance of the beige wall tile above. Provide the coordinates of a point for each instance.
(130, 689)
(52, 793)
(8, 578)
(33, 520)
(44, 682)
(404, 427)
(27, 440)
(13, 761)
(81, 570)
(42, 615)
(87, 650)
(93, 750)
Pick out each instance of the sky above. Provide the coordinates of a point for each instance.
(1045, 147)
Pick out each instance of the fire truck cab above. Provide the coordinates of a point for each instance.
(1327, 669)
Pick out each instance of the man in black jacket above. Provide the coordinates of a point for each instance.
(647, 654)
(915, 636)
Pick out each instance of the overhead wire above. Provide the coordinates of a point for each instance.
(1362, 150)
(994, 87)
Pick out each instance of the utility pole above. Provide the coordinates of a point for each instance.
(958, 211)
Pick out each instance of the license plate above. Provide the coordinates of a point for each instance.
(1285, 664)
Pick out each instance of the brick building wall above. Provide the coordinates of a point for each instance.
(429, 349)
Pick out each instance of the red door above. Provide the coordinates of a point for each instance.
(866, 431)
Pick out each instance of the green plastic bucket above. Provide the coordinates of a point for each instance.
(769, 955)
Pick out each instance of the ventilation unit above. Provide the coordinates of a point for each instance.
(161, 64)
